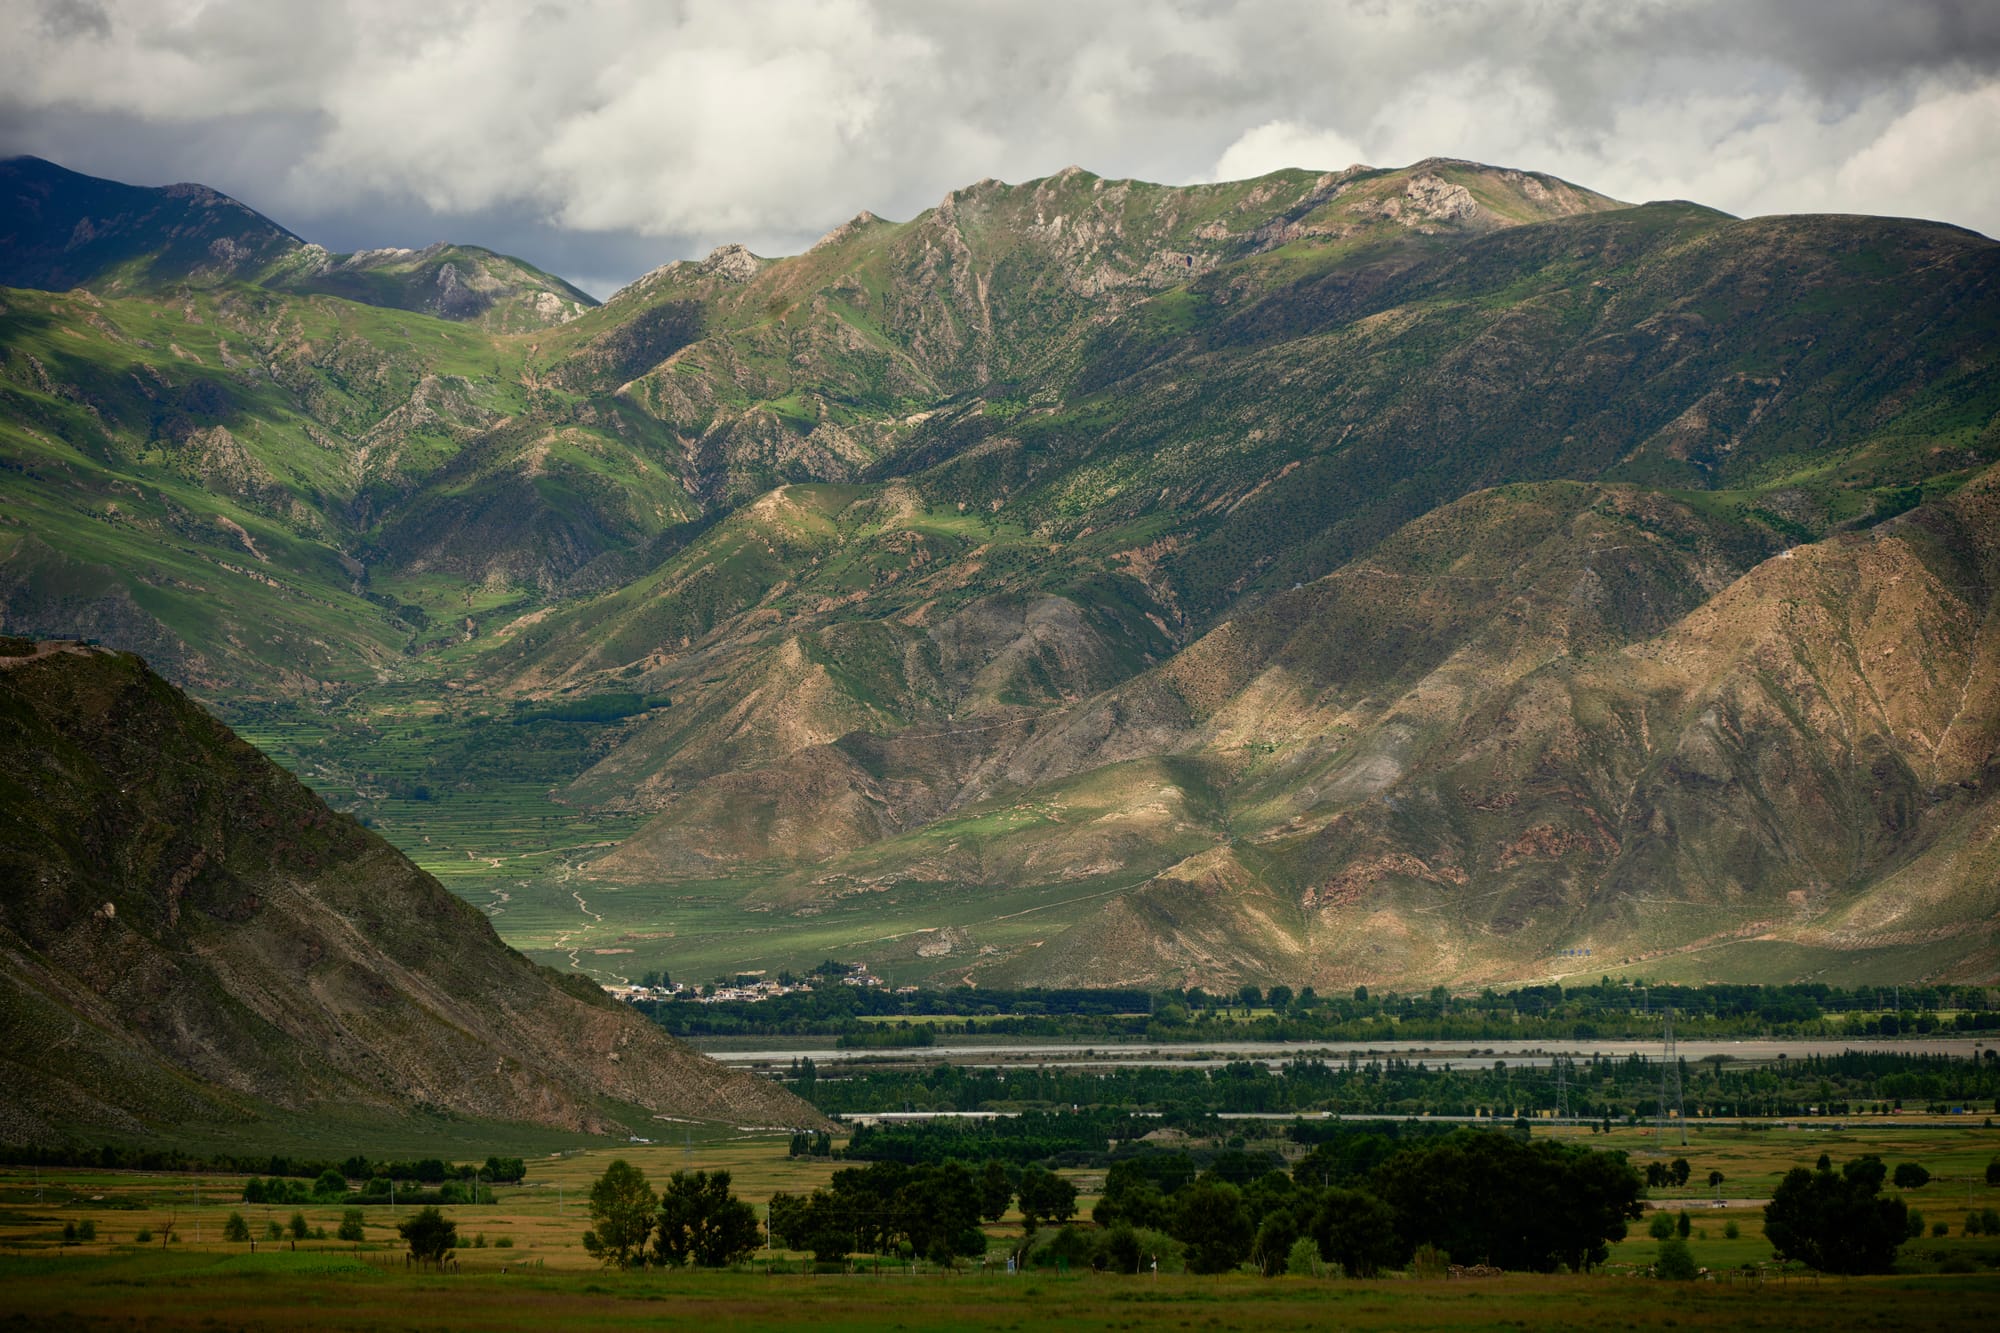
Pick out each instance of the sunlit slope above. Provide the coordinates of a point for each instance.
(258, 489)
(1072, 559)
(1796, 774)
(815, 367)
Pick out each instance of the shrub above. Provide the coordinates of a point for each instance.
(1940, 1229)
(272, 1231)
(504, 1243)
(350, 1225)
(145, 1234)
(1303, 1259)
(1731, 1230)
(1118, 1249)
(430, 1235)
(1910, 1176)
(299, 1228)
(86, 1231)
(236, 1228)
(1675, 1262)
(1661, 1227)
(1157, 1246)
(1067, 1248)
(1430, 1261)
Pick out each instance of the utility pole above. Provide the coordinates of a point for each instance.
(1670, 1077)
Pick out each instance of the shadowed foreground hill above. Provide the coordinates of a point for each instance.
(187, 933)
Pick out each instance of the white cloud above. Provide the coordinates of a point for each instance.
(1938, 159)
(1277, 144)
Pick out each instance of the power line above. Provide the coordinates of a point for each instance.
(1670, 1078)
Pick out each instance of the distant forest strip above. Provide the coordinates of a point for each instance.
(1605, 1009)
(1595, 1089)
(112, 1157)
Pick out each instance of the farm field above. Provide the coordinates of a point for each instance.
(521, 1264)
(305, 1293)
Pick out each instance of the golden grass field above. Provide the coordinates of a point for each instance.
(542, 1278)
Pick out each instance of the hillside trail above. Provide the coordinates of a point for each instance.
(565, 873)
(50, 648)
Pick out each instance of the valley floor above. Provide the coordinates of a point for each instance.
(520, 1263)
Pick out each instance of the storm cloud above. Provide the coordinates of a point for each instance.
(601, 138)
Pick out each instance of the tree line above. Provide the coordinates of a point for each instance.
(1364, 1200)
(115, 1157)
(1605, 1009)
(1600, 1089)
(1481, 1196)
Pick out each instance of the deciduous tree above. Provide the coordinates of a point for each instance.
(622, 1207)
(430, 1235)
(1358, 1232)
(1045, 1197)
(702, 1223)
(1837, 1222)
(1210, 1219)
(996, 1190)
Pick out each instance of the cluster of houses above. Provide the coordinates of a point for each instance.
(748, 986)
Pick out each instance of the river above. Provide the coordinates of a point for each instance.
(1513, 1054)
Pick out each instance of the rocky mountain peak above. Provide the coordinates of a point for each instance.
(732, 261)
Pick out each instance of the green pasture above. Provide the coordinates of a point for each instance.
(700, 930)
(521, 1263)
(308, 1292)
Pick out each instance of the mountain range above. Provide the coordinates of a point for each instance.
(1435, 575)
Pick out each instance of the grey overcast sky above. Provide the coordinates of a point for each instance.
(599, 138)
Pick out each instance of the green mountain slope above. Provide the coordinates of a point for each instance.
(66, 230)
(1090, 580)
(188, 934)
